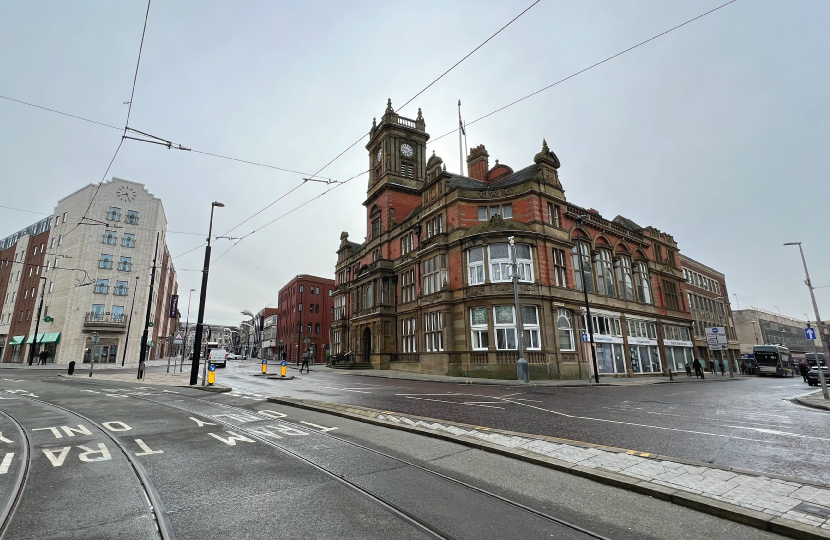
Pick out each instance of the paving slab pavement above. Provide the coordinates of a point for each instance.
(785, 505)
(815, 400)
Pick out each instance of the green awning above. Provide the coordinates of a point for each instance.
(53, 337)
(149, 343)
(17, 340)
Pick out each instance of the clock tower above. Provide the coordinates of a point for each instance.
(397, 166)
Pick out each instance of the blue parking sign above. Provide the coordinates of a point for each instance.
(810, 333)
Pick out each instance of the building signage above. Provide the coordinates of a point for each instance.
(178, 339)
(600, 338)
(716, 338)
(677, 343)
(641, 341)
(174, 305)
(494, 193)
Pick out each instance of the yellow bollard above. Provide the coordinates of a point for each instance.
(211, 374)
(282, 369)
(264, 366)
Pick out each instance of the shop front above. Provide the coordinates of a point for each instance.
(48, 342)
(16, 343)
(678, 354)
(610, 357)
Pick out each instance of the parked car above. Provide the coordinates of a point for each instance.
(812, 376)
(219, 357)
(234, 356)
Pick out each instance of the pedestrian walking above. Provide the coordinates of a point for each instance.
(723, 368)
(698, 369)
(44, 355)
(712, 367)
(305, 363)
(803, 369)
(688, 370)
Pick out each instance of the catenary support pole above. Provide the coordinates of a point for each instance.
(522, 367)
(200, 318)
(142, 354)
(37, 324)
(588, 321)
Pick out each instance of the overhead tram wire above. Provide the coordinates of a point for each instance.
(126, 124)
(410, 100)
(60, 112)
(491, 113)
(584, 70)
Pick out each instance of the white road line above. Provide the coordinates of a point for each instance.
(6, 463)
(453, 402)
(345, 389)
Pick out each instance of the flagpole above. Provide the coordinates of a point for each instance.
(460, 145)
(466, 152)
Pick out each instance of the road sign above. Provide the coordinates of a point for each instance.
(585, 338)
(810, 333)
(178, 339)
(716, 338)
(211, 367)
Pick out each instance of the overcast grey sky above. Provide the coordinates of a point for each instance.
(716, 133)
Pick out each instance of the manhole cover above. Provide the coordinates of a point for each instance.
(813, 509)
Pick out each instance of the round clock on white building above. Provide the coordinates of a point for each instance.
(407, 150)
(125, 193)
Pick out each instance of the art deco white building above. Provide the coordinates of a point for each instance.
(91, 274)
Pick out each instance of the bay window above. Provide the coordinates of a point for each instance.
(500, 262)
(408, 286)
(504, 323)
(433, 331)
(624, 278)
(585, 277)
(605, 279)
(478, 326)
(475, 266)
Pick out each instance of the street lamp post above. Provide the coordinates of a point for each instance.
(588, 320)
(522, 367)
(142, 354)
(200, 319)
(819, 321)
(725, 327)
(129, 324)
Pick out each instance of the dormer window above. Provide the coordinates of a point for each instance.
(407, 169)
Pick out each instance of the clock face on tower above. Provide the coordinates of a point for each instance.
(406, 150)
(125, 193)
(380, 155)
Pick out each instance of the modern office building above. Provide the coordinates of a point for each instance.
(85, 271)
(755, 326)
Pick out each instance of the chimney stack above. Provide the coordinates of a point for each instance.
(478, 163)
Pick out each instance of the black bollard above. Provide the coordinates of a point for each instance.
(71, 369)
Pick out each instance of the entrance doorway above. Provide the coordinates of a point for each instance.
(367, 344)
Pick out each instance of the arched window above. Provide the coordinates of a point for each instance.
(585, 276)
(605, 278)
(564, 325)
(642, 282)
(624, 278)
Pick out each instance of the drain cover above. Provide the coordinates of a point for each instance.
(813, 509)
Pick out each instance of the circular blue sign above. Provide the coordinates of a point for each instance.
(264, 361)
(283, 363)
(714, 330)
(211, 367)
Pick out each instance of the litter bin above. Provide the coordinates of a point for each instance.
(71, 369)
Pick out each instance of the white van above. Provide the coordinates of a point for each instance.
(218, 357)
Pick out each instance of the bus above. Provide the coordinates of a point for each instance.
(774, 360)
(811, 359)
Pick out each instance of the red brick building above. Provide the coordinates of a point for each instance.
(305, 314)
(430, 287)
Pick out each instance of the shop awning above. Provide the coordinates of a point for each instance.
(17, 340)
(149, 343)
(49, 337)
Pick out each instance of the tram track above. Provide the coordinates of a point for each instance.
(162, 524)
(395, 509)
(12, 500)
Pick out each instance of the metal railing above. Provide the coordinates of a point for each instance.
(120, 291)
(128, 242)
(101, 289)
(113, 216)
(99, 318)
(110, 239)
(131, 219)
(106, 264)
(124, 266)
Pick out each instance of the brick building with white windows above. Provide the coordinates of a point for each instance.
(305, 313)
(85, 271)
(429, 288)
(708, 300)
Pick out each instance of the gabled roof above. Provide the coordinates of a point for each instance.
(627, 223)
(464, 182)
